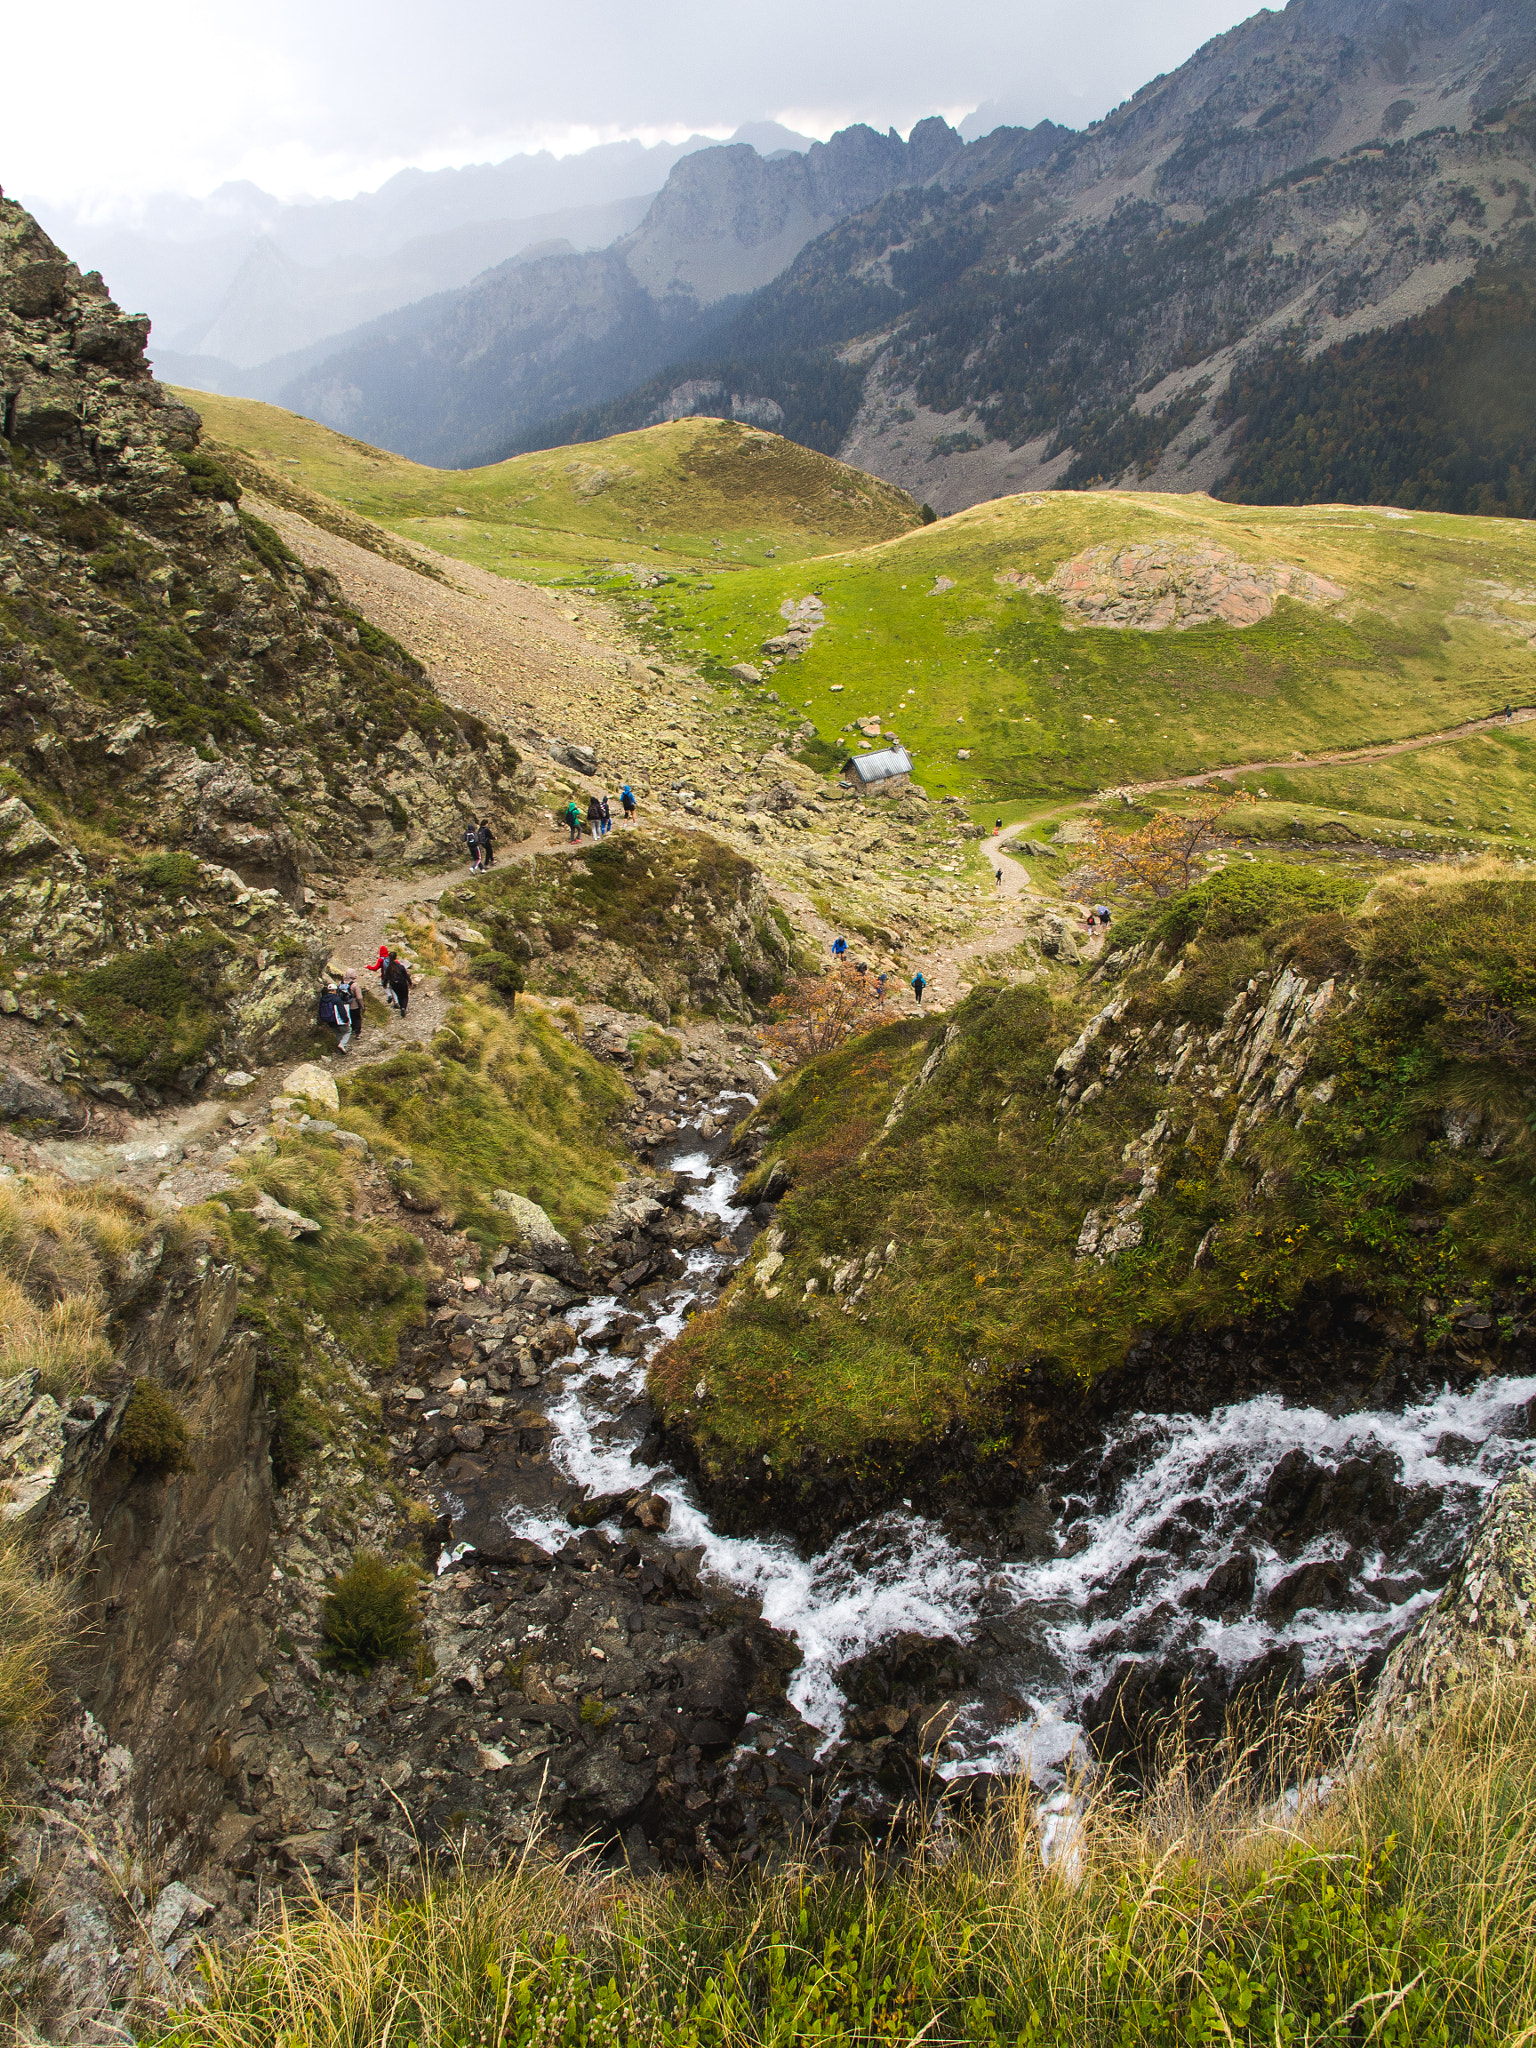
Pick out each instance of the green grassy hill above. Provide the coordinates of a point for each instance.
(946, 635)
(951, 635)
(695, 491)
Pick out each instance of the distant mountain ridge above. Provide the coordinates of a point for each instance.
(242, 276)
(1074, 315)
(454, 380)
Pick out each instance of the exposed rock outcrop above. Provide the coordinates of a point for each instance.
(172, 675)
(1152, 587)
(1482, 1624)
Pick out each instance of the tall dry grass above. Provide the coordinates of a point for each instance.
(1394, 1906)
(64, 1250)
(35, 1612)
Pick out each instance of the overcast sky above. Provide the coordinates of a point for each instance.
(332, 96)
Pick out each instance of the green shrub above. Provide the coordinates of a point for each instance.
(497, 971)
(270, 550)
(153, 1434)
(1252, 897)
(370, 1614)
(166, 871)
(156, 1011)
(209, 479)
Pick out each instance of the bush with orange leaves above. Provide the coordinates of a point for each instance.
(819, 1012)
(1158, 858)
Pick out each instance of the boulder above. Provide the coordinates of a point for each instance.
(314, 1083)
(271, 1215)
(532, 1224)
(1484, 1621)
(24, 1099)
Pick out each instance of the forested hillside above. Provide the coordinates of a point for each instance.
(1438, 414)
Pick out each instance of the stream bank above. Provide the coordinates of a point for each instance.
(1277, 1538)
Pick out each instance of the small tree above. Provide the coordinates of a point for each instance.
(819, 1012)
(1158, 858)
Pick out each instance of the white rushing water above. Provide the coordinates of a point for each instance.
(901, 1571)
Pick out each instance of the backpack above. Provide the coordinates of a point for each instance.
(397, 977)
(334, 1010)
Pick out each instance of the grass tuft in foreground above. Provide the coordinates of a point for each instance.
(1399, 1910)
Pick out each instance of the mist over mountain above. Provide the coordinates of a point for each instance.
(241, 276)
(453, 380)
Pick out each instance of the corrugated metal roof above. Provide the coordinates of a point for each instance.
(882, 766)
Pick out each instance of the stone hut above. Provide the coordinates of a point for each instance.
(884, 774)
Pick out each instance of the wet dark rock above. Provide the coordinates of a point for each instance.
(595, 1508)
(1228, 1591)
(1360, 1499)
(1324, 1583)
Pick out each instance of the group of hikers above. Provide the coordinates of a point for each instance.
(341, 1000)
(479, 845)
(599, 814)
(918, 983)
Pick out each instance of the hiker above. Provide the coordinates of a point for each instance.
(999, 873)
(880, 985)
(379, 968)
(1103, 910)
(627, 799)
(334, 1012)
(839, 950)
(594, 817)
(472, 843)
(341, 1009)
(573, 820)
(607, 817)
(484, 842)
(997, 829)
(919, 983)
(397, 983)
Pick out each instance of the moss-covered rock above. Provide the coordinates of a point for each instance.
(663, 922)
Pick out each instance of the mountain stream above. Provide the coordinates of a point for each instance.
(1256, 1537)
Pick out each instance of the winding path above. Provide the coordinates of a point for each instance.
(1345, 756)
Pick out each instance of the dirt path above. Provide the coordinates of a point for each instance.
(545, 665)
(1345, 757)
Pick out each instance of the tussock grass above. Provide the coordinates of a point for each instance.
(64, 1253)
(504, 1099)
(1397, 1907)
(35, 1614)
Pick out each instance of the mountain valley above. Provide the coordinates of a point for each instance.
(667, 1489)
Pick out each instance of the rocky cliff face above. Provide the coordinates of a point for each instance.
(728, 220)
(192, 726)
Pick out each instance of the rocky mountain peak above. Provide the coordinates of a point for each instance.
(74, 383)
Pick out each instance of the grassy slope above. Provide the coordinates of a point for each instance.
(666, 495)
(983, 1199)
(1049, 714)
(1407, 1896)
